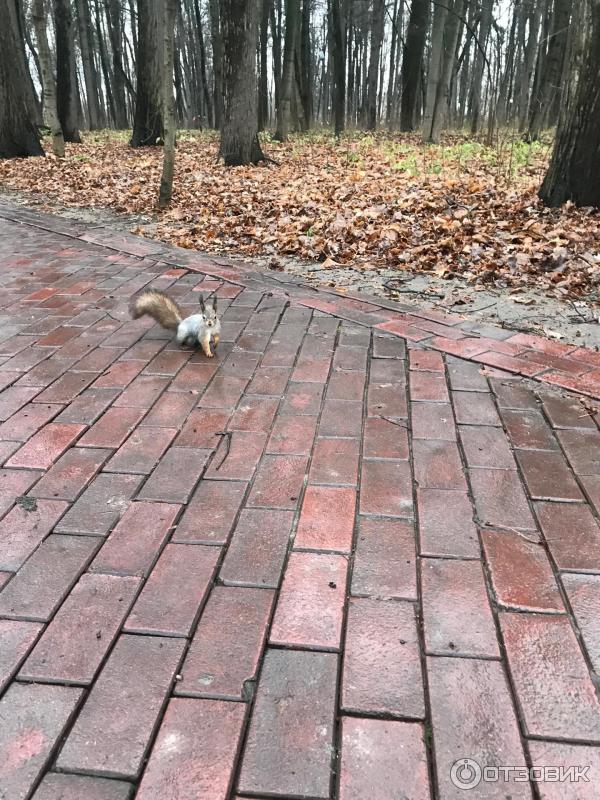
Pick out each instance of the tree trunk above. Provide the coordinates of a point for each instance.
(239, 135)
(66, 77)
(377, 22)
(441, 67)
(442, 102)
(106, 73)
(18, 131)
(148, 121)
(276, 37)
(392, 72)
(505, 93)
(180, 98)
(550, 83)
(39, 17)
(465, 65)
(306, 71)
(480, 64)
(90, 75)
(339, 68)
(115, 28)
(435, 68)
(412, 64)
(532, 10)
(263, 80)
(216, 35)
(205, 89)
(168, 110)
(292, 13)
(574, 171)
(24, 38)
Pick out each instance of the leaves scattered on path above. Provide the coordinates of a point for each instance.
(390, 201)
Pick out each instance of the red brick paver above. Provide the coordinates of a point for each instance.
(344, 554)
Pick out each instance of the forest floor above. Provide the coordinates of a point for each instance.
(456, 226)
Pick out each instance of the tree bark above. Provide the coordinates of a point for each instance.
(532, 11)
(216, 34)
(339, 68)
(18, 131)
(239, 133)
(24, 38)
(434, 71)
(377, 22)
(90, 75)
(306, 71)
(181, 105)
(412, 64)
(263, 80)
(66, 77)
(574, 171)
(207, 97)
(441, 68)
(292, 13)
(115, 27)
(39, 17)
(276, 37)
(168, 98)
(465, 65)
(106, 72)
(550, 83)
(505, 93)
(148, 121)
(392, 72)
(477, 78)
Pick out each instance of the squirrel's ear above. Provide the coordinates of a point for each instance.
(214, 301)
(201, 302)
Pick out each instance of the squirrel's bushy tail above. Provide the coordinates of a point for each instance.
(159, 306)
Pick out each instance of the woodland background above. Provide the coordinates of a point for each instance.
(442, 135)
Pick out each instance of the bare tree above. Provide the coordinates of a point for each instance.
(148, 119)
(377, 21)
(217, 50)
(39, 17)
(412, 63)
(443, 53)
(114, 21)
(239, 132)
(168, 29)
(18, 131)
(305, 71)
(480, 63)
(339, 67)
(66, 75)
(574, 171)
(435, 67)
(550, 83)
(531, 12)
(284, 110)
(263, 79)
(90, 73)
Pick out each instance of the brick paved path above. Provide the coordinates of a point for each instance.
(324, 564)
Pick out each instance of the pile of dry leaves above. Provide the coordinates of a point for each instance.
(386, 200)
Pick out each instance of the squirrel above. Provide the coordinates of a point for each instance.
(201, 329)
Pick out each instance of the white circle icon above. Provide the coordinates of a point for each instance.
(465, 773)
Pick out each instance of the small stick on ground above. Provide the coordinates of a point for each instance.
(227, 437)
(399, 423)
